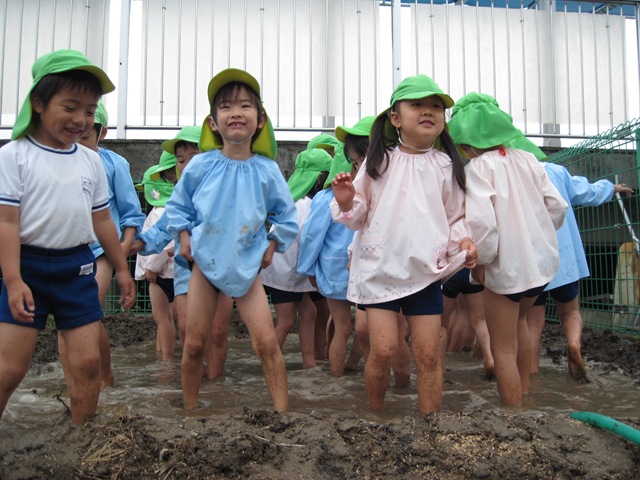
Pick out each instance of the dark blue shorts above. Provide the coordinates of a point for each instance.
(166, 284)
(563, 294)
(63, 284)
(532, 292)
(427, 301)
(460, 283)
(282, 296)
(315, 296)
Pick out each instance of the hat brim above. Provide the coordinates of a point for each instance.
(231, 75)
(390, 133)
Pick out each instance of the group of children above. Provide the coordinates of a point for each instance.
(378, 218)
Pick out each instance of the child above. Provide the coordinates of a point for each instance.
(46, 262)
(127, 215)
(324, 258)
(575, 190)
(218, 210)
(287, 288)
(407, 205)
(185, 146)
(158, 269)
(513, 210)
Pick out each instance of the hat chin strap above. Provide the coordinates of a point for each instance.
(232, 142)
(422, 150)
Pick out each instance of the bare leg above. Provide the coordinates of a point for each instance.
(402, 365)
(571, 321)
(83, 357)
(180, 304)
(163, 316)
(341, 317)
(448, 315)
(256, 314)
(285, 318)
(502, 323)
(306, 330)
(475, 307)
(535, 322)
(218, 344)
(201, 307)
(360, 347)
(322, 316)
(524, 344)
(425, 331)
(383, 340)
(17, 344)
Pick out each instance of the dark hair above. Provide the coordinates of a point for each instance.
(185, 144)
(230, 92)
(357, 143)
(318, 185)
(378, 155)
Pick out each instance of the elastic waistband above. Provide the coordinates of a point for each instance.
(56, 252)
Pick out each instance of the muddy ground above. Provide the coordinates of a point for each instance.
(261, 444)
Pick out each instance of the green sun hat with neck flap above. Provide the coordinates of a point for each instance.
(156, 192)
(264, 143)
(167, 162)
(412, 88)
(309, 165)
(361, 129)
(190, 134)
(477, 121)
(55, 62)
(101, 117)
(340, 164)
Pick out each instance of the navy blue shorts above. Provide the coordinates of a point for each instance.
(564, 294)
(427, 301)
(282, 296)
(63, 284)
(460, 283)
(315, 296)
(166, 284)
(532, 292)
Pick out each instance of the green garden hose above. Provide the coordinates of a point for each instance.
(608, 423)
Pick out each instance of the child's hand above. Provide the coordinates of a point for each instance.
(152, 277)
(267, 258)
(136, 246)
(127, 288)
(21, 302)
(185, 246)
(622, 188)
(478, 274)
(344, 191)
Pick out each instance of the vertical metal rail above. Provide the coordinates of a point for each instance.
(537, 10)
(376, 23)
(433, 43)
(123, 67)
(608, 20)
(493, 47)
(478, 56)
(162, 43)
(506, 13)
(246, 8)
(447, 37)
(37, 28)
(262, 47)
(416, 29)
(53, 29)
(567, 70)
(145, 71)
(179, 63)
(87, 9)
(552, 6)
(623, 41)
(595, 70)
(103, 37)
(524, 67)
(21, 23)
(464, 54)
(229, 33)
(582, 87)
(277, 105)
(326, 58)
(359, 20)
(638, 42)
(310, 62)
(396, 42)
(344, 61)
(195, 63)
(70, 24)
(212, 33)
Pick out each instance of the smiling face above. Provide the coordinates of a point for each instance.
(420, 122)
(67, 117)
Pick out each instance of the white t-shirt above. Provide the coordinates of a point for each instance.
(56, 191)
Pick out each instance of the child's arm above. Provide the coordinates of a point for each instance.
(185, 245)
(127, 240)
(20, 296)
(267, 258)
(107, 235)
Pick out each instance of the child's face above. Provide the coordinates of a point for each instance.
(420, 121)
(184, 154)
(170, 175)
(356, 160)
(91, 140)
(237, 119)
(66, 119)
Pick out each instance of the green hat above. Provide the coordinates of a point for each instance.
(325, 142)
(360, 129)
(340, 164)
(309, 165)
(167, 162)
(412, 88)
(101, 117)
(477, 120)
(49, 63)
(186, 134)
(265, 142)
(157, 192)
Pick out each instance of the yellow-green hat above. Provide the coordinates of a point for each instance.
(476, 120)
(326, 142)
(101, 117)
(156, 192)
(167, 162)
(49, 63)
(412, 88)
(361, 129)
(340, 164)
(186, 134)
(309, 165)
(265, 142)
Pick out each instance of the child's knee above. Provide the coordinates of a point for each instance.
(86, 365)
(194, 347)
(265, 348)
(11, 375)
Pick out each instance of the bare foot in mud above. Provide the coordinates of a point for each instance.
(577, 369)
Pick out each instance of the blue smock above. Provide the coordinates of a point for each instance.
(124, 204)
(324, 248)
(575, 190)
(225, 205)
